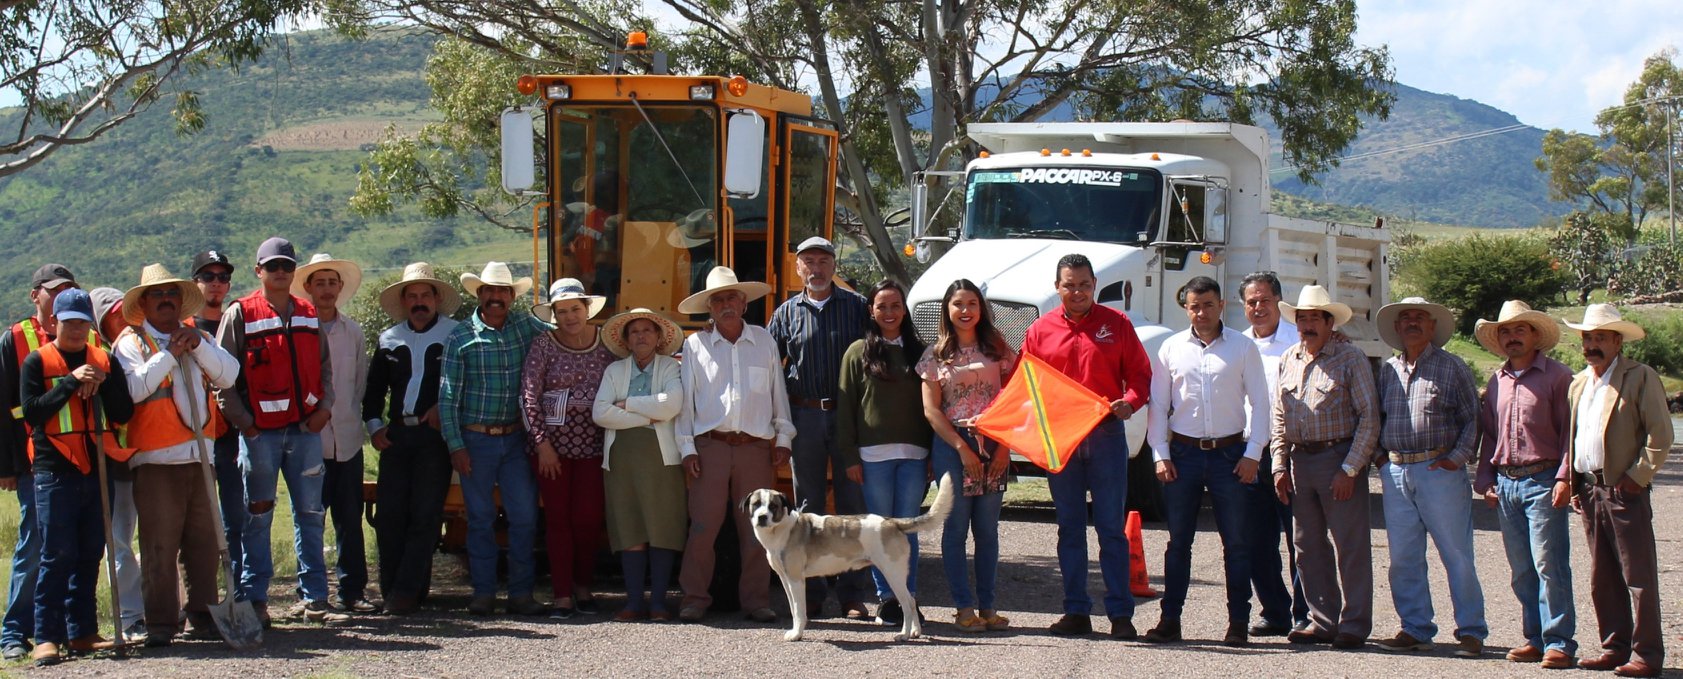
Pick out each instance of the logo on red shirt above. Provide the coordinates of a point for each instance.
(1104, 334)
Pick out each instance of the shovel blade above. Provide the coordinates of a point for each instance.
(238, 623)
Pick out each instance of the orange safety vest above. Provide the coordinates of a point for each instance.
(282, 361)
(27, 337)
(70, 429)
(157, 422)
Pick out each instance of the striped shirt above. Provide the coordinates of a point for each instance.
(481, 383)
(1429, 405)
(1325, 397)
(812, 337)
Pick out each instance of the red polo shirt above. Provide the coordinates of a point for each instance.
(1102, 351)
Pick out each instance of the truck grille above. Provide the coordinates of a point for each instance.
(1012, 320)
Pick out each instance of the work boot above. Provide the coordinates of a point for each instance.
(1403, 641)
(46, 654)
(1167, 631)
(1556, 659)
(482, 605)
(1468, 646)
(319, 611)
(88, 644)
(1123, 628)
(1236, 635)
(1526, 654)
(525, 604)
(1072, 625)
(262, 610)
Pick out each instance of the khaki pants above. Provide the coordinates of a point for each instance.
(728, 474)
(177, 521)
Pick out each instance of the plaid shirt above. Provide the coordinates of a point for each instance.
(811, 339)
(1429, 405)
(481, 383)
(1325, 397)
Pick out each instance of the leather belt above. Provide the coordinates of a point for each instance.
(1208, 444)
(1595, 478)
(814, 403)
(733, 438)
(493, 429)
(412, 420)
(1523, 471)
(1411, 458)
(1312, 447)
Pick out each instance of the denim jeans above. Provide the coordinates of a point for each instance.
(811, 454)
(895, 489)
(125, 522)
(342, 494)
(499, 464)
(230, 492)
(72, 531)
(1099, 466)
(1539, 555)
(1266, 521)
(1418, 502)
(1196, 470)
(19, 626)
(295, 453)
(976, 515)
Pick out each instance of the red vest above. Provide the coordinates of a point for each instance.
(282, 361)
(69, 430)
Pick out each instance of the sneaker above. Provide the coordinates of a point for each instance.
(562, 613)
(1468, 646)
(14, 652)
(1072, 625)
(135, 633)
(482, 605)
(1403, 641)
(889, 614)
(358, 605)
(588, 607)
(319, 611)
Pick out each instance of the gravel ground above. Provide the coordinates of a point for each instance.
(440, 643)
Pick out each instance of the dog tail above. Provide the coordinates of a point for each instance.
(937, 512)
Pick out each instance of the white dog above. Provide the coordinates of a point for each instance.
(801, 545)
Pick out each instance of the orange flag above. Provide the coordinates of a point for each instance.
(1042, 414)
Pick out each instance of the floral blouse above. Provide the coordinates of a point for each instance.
(552, 370)
(969, 384)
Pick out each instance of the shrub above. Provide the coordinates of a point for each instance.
(1584, 245)
(1662, 348)
(1474, 275)
(1659, 269)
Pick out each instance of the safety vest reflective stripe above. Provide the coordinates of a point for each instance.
(280, 406)
(273, 323)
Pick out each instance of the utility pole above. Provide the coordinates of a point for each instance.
(1670, 165)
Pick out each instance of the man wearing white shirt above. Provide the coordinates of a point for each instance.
(733, 432)
(1199, 440)
(1282, 611)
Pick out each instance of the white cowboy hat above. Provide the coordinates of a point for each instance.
(1387, 321)
(391, 298)
(155, 275)
(694, 229)
(349, 273)
(1315, 298)
(496, 273)
(1606, 317)
(565, 289)
(719, 280)
(613, 332)
(1515, 311)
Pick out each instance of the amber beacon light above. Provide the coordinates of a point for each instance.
(527, 85)
(738, 86)
(637, 40)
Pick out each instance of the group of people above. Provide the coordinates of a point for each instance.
(623, 445)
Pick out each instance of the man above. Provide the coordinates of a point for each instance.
(213, 273)
(1282, 610)
(1620, 434)
(1427, 433)
(24, 337)
(733, 432)
(414, 473)
(1524, 422)
(169, 368)
(813, 329)
(1324, 427)
(326, 281)
(281, 401)
(71, 409)
(1207, 431)
(1095, 345)
(478, 403)
(125, 519)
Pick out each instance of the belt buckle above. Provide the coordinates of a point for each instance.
(1206, 444)
(826, 404)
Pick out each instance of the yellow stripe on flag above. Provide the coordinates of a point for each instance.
(1050, 447)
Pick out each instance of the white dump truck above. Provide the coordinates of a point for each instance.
(1152, 205)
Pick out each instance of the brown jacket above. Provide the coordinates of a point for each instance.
(1636, 425)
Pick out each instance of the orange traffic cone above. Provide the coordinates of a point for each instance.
(1139, 583)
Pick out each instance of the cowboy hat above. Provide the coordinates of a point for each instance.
(565, 289)
(613, 332)
(1515, 311)
(350, 275)
(391, 298)
(721, 279)
(1606, 317)
(497, 274)
(1315, 298)
(1388, 314)
(155, 275)
(694, 229)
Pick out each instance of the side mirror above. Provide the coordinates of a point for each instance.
(519, 159)
(920, 207)
(745, 153)
(1215, 217)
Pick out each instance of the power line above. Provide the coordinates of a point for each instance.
(1419, 145)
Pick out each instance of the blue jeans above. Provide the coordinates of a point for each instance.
(811, 454)
(19, 627)
(1196, 470)
(1419, 502)
(296, 453)
(1099, 466)
(230, 491)
(976, 515)
(1539, 555)
(895, 489)
(1267, 519)
(72, 541)
(499, 464)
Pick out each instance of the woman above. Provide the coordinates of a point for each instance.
(961, 374)
(562, 372)
(880, 425)
(640, 396)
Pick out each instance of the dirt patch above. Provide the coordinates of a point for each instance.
(335, 135)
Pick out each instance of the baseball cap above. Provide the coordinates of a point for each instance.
(52, 276)
(73, 305)
(817, 243)
(274, 248)
(208, 258)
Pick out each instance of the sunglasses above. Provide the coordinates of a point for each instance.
(208, 277)
(274, 265)
(163, 293)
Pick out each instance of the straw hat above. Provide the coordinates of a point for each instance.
(613, 332)
(496, 273)
(1315, 298)
(349, 273)
(391, 298)
(155, 275)
(565, 289)
(1606, 317)
(1388, 314)
(694, 229)
(1515, 311)
(719, 280)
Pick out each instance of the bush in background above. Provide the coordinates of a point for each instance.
(1474, 275)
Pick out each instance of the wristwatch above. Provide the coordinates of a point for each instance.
(1350, 471)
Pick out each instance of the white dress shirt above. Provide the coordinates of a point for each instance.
(733, 387)
(1212, 391)
(145, 371)
(1273, 347)
(342, 438)
(1591, 449)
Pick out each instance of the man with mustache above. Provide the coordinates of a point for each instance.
(1620, 434)
(414, 473)
(479, 408)
(1523, 423)
(213, 275)
(813, 329)
(1283, 610)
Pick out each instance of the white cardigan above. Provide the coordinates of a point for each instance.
(658, 408)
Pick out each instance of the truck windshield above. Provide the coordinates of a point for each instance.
(1117, 205)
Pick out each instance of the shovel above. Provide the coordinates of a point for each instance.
(110, 542)
(237, 621)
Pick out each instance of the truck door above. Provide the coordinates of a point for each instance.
(806, 203)
(1193, 206)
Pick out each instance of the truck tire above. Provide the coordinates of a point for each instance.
(1145, 493)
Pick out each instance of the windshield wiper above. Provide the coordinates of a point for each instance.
(669, 154)
(1064, 234)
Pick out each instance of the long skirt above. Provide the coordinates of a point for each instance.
(645, 495)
